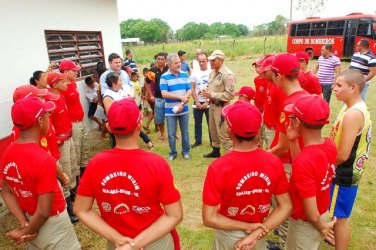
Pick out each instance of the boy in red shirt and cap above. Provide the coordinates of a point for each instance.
(30, 189)
(63, 127)
(246, 93)
(237, 191)
(311, 83)
(138, 202)
(312, 173)
(76, 114)
(285, 70)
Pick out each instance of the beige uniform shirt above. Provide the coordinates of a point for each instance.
(221, 84)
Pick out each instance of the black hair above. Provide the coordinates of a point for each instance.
(101, 68)
(310, 126)
(241, 138)
(164, 54)
(328, 46)
(145, 70)
(112, 78)
(128, 51)
(113, 56)
(364, 43)
(134, 73)
(36, 76)
(89, 80)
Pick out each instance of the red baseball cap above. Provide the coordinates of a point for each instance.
(258, 62)
(243, 118)
(54, 77)
(26, 111)
(30, 90)
(123, 116)
(68, 65)
(301, 55)
(246, 91)
(311, 109)
(266, 64)
(286, 64)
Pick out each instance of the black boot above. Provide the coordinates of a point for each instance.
(73, 218)
(213, 154)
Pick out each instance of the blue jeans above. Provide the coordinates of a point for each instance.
(364, 91)
(197, 115)
(171, 131)
(159, 111)
(326, 92)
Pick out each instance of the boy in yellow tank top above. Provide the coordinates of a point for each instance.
(352, 134)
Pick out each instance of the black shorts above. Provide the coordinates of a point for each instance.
(92, 109)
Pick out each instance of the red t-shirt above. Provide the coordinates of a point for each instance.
(273, 105)
(30, 171)
(311, 84)
(60, 117)
(242, 183)
(72, 98)
(260, 93)
(129, 187)
(284, 121)
(312, 174)
(48, 141)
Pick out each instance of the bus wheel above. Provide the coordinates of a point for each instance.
(310, 53)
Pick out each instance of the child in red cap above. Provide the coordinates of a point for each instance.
(237, 191)
(63, 126)
(138, 202)
(310, 83)
(312, 173)
(30, 189)
(246, 93)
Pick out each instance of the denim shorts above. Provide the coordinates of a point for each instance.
(159, 111)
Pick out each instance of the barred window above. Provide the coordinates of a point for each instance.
(83, 47)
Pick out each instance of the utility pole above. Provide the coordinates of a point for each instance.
(291, 10)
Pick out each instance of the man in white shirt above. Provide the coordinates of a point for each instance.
(199, 80)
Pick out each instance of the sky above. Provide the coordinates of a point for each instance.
(247, 12)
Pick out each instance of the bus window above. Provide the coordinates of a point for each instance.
(318, 29)
(335, 28)
(365, 28)
(303, 29)
(293, 30)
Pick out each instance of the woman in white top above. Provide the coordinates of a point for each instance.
(116, 92)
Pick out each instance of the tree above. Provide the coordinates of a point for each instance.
(231, 29)
(126, 28)
(310, 7)
(243, 29)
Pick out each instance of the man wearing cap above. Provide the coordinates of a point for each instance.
(285, 69)
(352, 134)
(273, 103)
(76, 113)
(311, 83)
(327, 69)
(312, 173)
(199, 81)
(138, 202)
(221, 92)
(61, 121)
(237, 192)
(184, 65)
(30, 189)
(176, 90)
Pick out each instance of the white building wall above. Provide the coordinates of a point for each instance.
(23, 47)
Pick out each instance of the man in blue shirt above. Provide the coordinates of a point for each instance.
(176, 90)
(184, 65)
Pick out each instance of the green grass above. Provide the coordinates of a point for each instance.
(189, 177)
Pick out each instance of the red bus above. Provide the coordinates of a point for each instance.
(343, 32)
